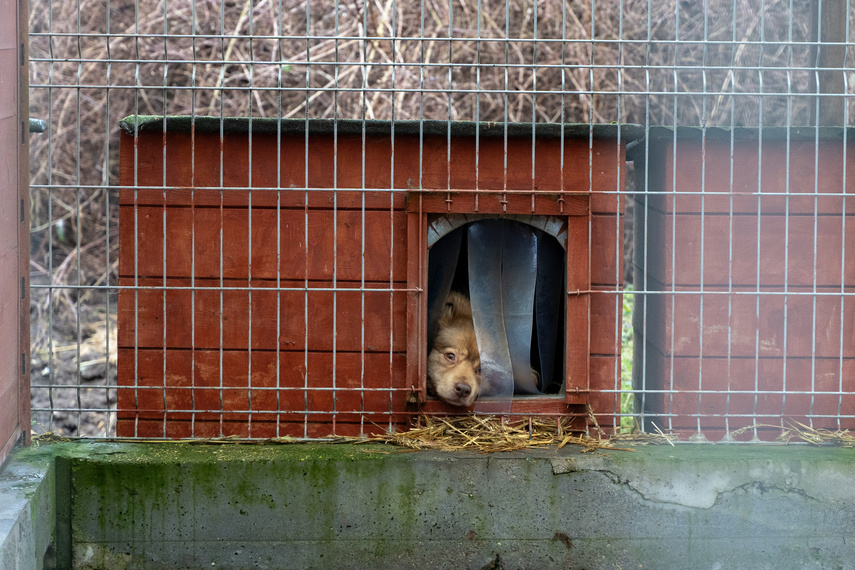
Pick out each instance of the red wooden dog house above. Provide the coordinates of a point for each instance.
(272, 273)
(746, 231)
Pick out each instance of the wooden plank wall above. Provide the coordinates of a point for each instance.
(780, 346)
(14, 227)
(189, 362)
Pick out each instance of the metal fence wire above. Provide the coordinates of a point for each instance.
(248, 217)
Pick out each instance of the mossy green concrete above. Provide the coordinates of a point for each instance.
(168, 505)
(367, 506)
(27, 509)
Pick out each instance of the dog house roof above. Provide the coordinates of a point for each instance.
(751, 133)
(263, 125)
(664, 134)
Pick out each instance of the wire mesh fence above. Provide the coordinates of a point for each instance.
(254, 257)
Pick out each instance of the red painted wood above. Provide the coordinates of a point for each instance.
(14, 231)
(606, 249)
(265, 198)
(769, 404)
(307, 381)
(209, 317)
(578, 345)
(10, 285)
(525, 405)
(742, 338)
(194, 243)
(730, 252)
(417, 302)
(605, 323)
(752, 325)
(467, 201)
(184, 356)
(315, 426)
(803, 167)
(198, 161)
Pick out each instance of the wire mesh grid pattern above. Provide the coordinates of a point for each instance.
(267, 276)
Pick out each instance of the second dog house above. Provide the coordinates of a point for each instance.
(274, 274)
(744, 241)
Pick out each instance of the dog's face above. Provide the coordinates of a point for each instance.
(454, 363)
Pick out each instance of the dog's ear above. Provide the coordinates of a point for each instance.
(448, 312)
(456, 307)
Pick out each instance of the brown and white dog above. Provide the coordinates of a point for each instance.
(454, 363)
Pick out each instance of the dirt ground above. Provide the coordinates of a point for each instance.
(73, 363)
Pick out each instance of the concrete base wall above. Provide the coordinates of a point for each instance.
(27, 510)
(341, 506)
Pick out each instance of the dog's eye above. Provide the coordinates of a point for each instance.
(478, 370)
(450, 356)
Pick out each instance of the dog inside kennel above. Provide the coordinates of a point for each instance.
(512, 274)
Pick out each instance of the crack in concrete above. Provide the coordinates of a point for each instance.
(689, 488)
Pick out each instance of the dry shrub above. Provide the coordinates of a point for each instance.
(96, 61)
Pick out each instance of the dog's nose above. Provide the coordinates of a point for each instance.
(462, 390)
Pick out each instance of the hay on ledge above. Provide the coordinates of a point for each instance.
(487, 434)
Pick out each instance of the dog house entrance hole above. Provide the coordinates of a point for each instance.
(512, 268)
